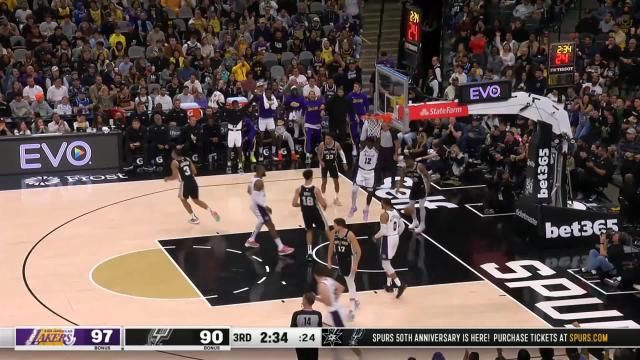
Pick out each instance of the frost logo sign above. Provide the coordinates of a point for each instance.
(77, 153)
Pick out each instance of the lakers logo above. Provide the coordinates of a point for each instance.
(52, 337)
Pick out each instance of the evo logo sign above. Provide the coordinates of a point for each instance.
(484, 92)
(32, 156)
(579, 228)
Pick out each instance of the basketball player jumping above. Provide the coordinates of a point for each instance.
(263, 212)
(309, 199)
(344, 244)
(420, 187)
(182, 169)
(328, 152)
(367, 161)
(391, 227)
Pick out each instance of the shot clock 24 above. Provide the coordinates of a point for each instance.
(562, 64)
(276, 337)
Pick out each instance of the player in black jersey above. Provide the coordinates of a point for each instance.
(182, 169)
(344, 244)
(420, 188)
(309, 199)
(328, 152)
(307, 317)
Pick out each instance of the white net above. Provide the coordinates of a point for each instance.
(373, 127)
(391, 91)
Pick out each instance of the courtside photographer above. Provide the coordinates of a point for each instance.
(611, 262)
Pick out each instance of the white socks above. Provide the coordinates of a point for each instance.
(354, 195)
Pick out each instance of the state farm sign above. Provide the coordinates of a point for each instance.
(434, 110)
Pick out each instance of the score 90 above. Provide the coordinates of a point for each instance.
(211, 337)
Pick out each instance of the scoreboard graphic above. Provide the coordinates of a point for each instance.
(68, 338)
(177, 339)
(224, 338)
(562, 64)
(412, 35)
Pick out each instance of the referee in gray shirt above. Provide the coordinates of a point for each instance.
(307, 317)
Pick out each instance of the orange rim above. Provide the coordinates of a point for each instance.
(384, 117)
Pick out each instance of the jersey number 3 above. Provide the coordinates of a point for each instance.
(187, 170)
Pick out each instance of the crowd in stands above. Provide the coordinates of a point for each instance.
(509, 40)
(144, 67)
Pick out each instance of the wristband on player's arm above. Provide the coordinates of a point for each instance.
(344, 160)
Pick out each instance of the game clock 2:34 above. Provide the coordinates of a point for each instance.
(273, 337)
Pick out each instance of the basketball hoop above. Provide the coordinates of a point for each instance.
(374, 123)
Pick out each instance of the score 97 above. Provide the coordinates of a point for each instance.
(215, 337)
(101, 336)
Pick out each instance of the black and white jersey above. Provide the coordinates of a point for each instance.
(329, 154)
(416, 177)
(184, 170)
(308, 199)
(342, 245)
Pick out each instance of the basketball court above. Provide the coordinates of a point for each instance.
(123, 254)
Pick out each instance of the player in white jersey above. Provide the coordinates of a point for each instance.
(367, 161)
(329, 291)
(263, 212)
(391, 227)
